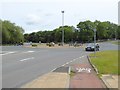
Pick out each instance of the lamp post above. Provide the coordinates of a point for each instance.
(115, 35)
(62, 27)
(95, 42)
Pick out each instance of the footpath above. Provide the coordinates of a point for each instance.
(83, 76)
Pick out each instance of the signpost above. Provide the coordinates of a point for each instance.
(95, 42)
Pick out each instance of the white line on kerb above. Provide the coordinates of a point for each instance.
(27, 59)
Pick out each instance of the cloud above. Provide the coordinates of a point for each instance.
(48, 14)
(33, 19)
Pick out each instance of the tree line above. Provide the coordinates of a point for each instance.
(11, 33)
(84, 32)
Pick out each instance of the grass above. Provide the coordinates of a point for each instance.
(72, 73)
(115, 42)
(106, 62)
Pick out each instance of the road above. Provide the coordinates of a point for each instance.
(21, 65)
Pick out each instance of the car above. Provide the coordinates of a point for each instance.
(91, 47)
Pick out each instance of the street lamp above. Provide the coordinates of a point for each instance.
(115, 35)
(95, 42)
(62, 27)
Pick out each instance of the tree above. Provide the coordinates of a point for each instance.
(11, 34)
(106, 30)
(83, 33)
(68, 34)
(86, 31)
(26, 37)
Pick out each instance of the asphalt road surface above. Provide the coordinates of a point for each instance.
(21, 65)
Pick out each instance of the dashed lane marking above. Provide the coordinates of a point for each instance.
(29, 52)
(26, 59)
(73, 60)
(68, 62)
(7, 53)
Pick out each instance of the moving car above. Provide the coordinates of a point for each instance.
(91, 47)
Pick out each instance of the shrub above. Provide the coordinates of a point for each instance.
(47, 44)
(50, 44)
(60, 44)
(34, 45)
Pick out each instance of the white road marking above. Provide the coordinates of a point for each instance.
(29, 52)
(68, 63)
(82, 56)
(36, 51)
(83, 69)
(7, 53)
(63, 64)
(53, 70)
(26, 59)
(73, 60)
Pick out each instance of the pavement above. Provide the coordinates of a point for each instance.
(58, 78)
(111, 81)
(50, 80)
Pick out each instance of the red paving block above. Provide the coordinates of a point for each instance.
(84, 79)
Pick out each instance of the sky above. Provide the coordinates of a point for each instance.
(40, 15)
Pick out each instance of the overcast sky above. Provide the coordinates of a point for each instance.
(36, 15)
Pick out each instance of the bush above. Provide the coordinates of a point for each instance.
(47, 44)
(34, 45)
(60, 44)
(50, 44)
(76, 45)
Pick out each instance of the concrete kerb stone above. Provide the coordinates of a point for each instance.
(69, 77)
(69, 70)
(96, 70)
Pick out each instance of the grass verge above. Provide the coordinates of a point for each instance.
(106, 62)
